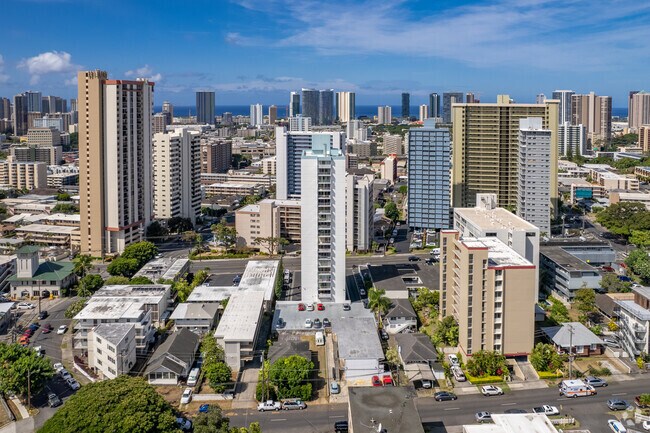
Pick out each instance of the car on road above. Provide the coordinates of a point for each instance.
(293, 404)
(376, 381)
(488, 390)
(320, 307)
(62, 329)
(616, 426)
(335, 388)
(308, 323)
(47, 328)
(25, 306)
(269, 405)
(341, 427)
(73, 384)
(34, 326)
(184, 424)
(617, 404)
(301, 307)
(53, 400)
(310, 307)
(595, 381)
(482, 417)
(187, 396)
(414, 259)
(204, 408)
(515, 411)
(326, 323)
(42, 315)
(39, 351)
(546, 409)
(429, 261)
(444, 396)
(236, 280)
(347, 307)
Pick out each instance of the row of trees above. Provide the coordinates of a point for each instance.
(132, 259)
(545, 358)
(22, 370)
(216, 371)
(628, 219)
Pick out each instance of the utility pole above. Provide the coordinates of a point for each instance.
(570, 351)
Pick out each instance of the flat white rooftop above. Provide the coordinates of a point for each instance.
(46, 228)
(241, 317)
(205, 293)
(514, 423)
(113, 309)
(260, 276)
(499, 254)
(281, 202)
(498, 218)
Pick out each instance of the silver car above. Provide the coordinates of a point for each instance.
(293, 405)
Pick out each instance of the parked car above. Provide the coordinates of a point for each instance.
(546, 409)
(53, 400)
(58, 367)
(187, 396)
(347, 307)
(362, 291)
(34, 326)
(65, 375)
(335, 388)
(326, 323)
(73, 384)
(429, 261)
(204, 408)
(42, 315)
(387, 380)
(488, 390)
(308, 323)
(301, 307)
(617, 404)
(293, 404)
(236, 280)
(320, 307)
(341, 427)
(414, 259)
(281, 323)
(482, 417)
(184, 423)
(616, 426)
(646, 425)
(596, 382)
(269, 405)
(47, 328)
(310, 307)
(383, 334)
(25, 306)
(426, 384)
(39, 351)
(444, 396)
(453, 359)
(376, 381)
(317, 323)
(62, 329)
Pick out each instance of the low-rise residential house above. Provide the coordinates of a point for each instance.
(34, 279)
(401, 317)
(634, 322)
(198, 318)
(173, 359)
(419, 357)
(576, 335)
(112, 349)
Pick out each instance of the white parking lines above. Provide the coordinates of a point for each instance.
(278, 419)
(452, 408)
(337, 416)
(620, 393)
(508, 404)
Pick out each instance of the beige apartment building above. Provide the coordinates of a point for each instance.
(595, 113)
(393, 145)
(644, 138)
(638, 110)
(23, 175)
(278, 218)
(215, 156)
(486, 149)
(44, 136)
(490, 290)
(114, 161)
(50, 155)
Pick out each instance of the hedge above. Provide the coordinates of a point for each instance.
(484, 379)
(549, 375)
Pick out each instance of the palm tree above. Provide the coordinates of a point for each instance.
(377, 302)
(82, 264)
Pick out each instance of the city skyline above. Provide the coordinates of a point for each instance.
(540, 47)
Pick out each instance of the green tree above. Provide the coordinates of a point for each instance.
(89, 284)
(625, 217)
(141, 279)
(558, 312)
(75, 308)
(544, 357)
(123, 405)
(391, 211)
(124, 267)
(116, 280)
(640, 238)
(213, 421)
(271, 244)
(392, 357)
(403, 189)
(446, 332)
(250, 199)
(377, 301)
(639, 262)
(182, 289)
(585, 301)
(612, 283)
(487, 363)
(199, 278)
(224, 234)
(289, 376)
(21, 367)
(218, 374)
(67, 208)
(155, 230)
(211, 351)
(142, 252)
(426, 299)
(179, 224)
(82, 264)
(63, 196)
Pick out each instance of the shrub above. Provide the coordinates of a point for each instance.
(602, 371)
(484, 379)
(549, 375)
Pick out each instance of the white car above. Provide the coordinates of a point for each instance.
(62, 329)
(73, 384)
(646, 425)
(546, 409)
(187, 396)
(25, 306)
(310, 307)
(308, 323)
(58, 367)
(39, 351)
(616, 426)
(269, 405)
(64, 374)
(488, 390)
(453, 360)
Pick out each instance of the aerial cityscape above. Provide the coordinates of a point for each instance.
(227, 216)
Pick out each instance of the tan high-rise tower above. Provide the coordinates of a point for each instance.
(114, 161)
(486, 149)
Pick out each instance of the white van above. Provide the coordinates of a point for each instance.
(193, 377)
(320, 339)
(576, 388)
(435, 252)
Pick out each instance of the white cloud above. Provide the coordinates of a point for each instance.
(144, 72)
(262, 83)
(71, 81)
(3, 77)
(48, 63)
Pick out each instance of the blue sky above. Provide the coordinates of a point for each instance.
(252, 51)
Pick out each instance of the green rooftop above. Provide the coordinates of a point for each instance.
(49, 271)
(28, 249)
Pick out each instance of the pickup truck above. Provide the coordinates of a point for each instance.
(269, 405)
(546, 409)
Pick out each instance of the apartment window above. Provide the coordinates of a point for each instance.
(99, 340)
(111, 360)
(99, 362)
(99, 350)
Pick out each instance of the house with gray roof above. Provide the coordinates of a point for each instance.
(198, 318)
(401, 317)
(419, 357)
(576, 335)
(173, 359)
(34, 279)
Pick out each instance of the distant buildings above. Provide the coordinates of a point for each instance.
(389, 168)
(564, 108)
(393, 145)
(257, 115)
(424, 112)
(384, 115)
(345, 106)
(572, 139)
(429, 181)
(644, 138)
(434, 105)
(268, 218)
(449, 98)
(595, 113)
(273, 114)
(23, 175)
(406, 105)
(294, 104)
(20, 114)
(215, 155)
(299, 124)
(326, 107)
(205, 107)
(638, 110)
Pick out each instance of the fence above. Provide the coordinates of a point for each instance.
(563, 421)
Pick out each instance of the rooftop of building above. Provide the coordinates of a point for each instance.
(565, 259)
(191, 310)
(250, 208)
(392, 407)
(571, 333)
(241, 316)
(635, 309)
(643, 291)
(391, 277)
(113, 308)
(49, 228)
(261, 276)
(577, 181)
(499, 254)
(416, 348)
(48, 271)
(357, 335)
(113, 332)
(166, 268)
(514, 423)
(133, 291)
(498, 218)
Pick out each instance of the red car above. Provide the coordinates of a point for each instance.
(47, 328)
(301, 307)
(320, 307)
(28, 333)
(376, 381)
(388, 381)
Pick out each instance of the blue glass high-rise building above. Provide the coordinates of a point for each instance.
(205, 107)
(406, 105)
(434, 105)
(449, 98)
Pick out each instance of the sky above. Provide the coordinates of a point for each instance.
(257, 51)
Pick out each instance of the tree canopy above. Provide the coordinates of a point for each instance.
(391, 211)
(213, 421)
(378, 302)
(585, 300)
(612, 283)
(89, 284)
(141, 251)
(487, 363)
(82, 264)
(624, 218)
(224, 234)
(67, 208)
(216, 371)
(124, 267)
(18, 365)
(639, 262)
(289, 377)
(271, 244)
(123, 405)
(544, 357)
(116, 280)
(179, 224)
(446, 332)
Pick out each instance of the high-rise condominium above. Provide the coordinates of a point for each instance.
(326, 107)
(323, 222)
(534, 189)
(20, 117)
(564, 109)
(114, 162)
(572, 139)
(311, 104)
(393, 145)
(299, 124)
(406, 105)
(345, 106)
(469, 98)
(215, 155)
(205, 108)
(638, 110)
(159, 123)
(359, 212)
(434, 105)
(486, 149)
(384, 115)
(294, 104)
(449, 98)
(34, 102)
(257, 115)
(273, 114)
(424, 112)
(5, 108)
(290, 147)
(595, 112)
(177, 174)
(428, 181)
(540, 98)
(168, 107)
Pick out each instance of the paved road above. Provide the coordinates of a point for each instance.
(591, 412)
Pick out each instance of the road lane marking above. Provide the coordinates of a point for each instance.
(620, 393)
(453, 408)
(337, 416)
(279, 419)
(507, 404)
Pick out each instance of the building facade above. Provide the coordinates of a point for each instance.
(294, 104)
(112, 349)
(406, 105)
(448, 99)
(384, 115)
(595, 112)
(23, 175)
(393, 145)
(572, 139)
(268, 218)
(205, 108)
(638, 110)
(434, 105)
(359, 212)
(257, 115)
(216, 155)
(564, 107)
(345, 106)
